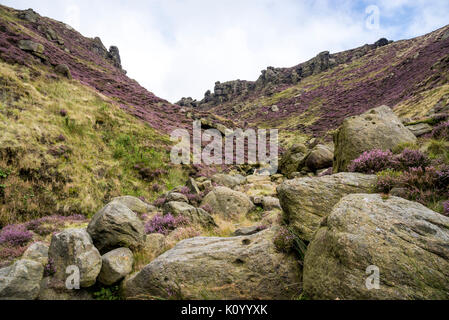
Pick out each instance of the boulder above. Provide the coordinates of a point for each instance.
(227, 202)
(176, 196)
(31, 46)
(293, 160)
(38, 252)
(134, 204)
(233, 268)
(270, 203)
(21, 281)
(228, 180)
(52, 290)
(116, 265)
(193, 186)
(405, 241)
(74, 247)
(116, 226)
(378, 128)
(321, 157)
(195, 215)
(420, 129)
(155, 244)
(28, 15)
(247, 231)
(306, 201)
(63, 70)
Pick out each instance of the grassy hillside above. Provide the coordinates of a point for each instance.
(66, 149)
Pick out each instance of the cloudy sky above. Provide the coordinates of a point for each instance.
(179, 48)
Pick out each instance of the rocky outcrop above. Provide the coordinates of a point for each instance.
(74, 247)
(378, 128)
(63, 70)
(116, 226)
(306, 201)
(219, 268)
(195, 215)
(403, 240)
(21, 281)
(116, 265)
(227, 202)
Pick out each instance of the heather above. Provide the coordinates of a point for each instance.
(15, 235)
(164, 224)
(441, 131)
(373, 161)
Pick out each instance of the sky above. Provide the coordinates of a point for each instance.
(180, 48)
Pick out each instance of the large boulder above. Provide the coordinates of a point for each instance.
(74, 247)
(246, 267)
(31, 46)
(116, 226)
(321, 157)
(378, 128)
(293, 160)
(38, 251)
(52, 289)
(195, 215)
(228, 180)
(134, 204)
(227, 202)
(116, 265)
(404, 241)
(21, 281)
(306, 201)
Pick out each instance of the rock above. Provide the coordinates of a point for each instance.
(219, 268)
(195, 215)
(31, 46)
(399, 192)
(193, 186)
(21, 281)
(228, 180)
(256, 178)
(206, 185)
(406, 241)
(116, 226)
(293, 160)
(306, 201)
(114, 55)
(134, 204)
(420, 129)
(74, 247)
(270, 203)
(247, 231)
(155, 243)
(320, 157)
(227, 202)
(176, 196)
(52, 290)
(117, 264)
(378, 128)
(38, 252)
(64, 70)
(274, 108)
(29, 15)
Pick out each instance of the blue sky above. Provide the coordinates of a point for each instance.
(180, 48)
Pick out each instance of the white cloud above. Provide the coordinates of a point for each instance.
(180, 48)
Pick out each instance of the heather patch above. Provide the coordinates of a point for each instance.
(164, 224)
(373, 161)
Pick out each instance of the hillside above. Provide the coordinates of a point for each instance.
(314, 97)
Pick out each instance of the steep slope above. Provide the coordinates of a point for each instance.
(313, 98)
(71, 129)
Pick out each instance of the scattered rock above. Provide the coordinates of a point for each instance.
(64, 70)
(227, 202)
(116, 226)
(116, 265)
(219, 268)
(247, 231)
(38, 252)
(420, 129)
(378, 128)
(193, 186)
(155, 243)
(306, 201)
(31, 46)
(228, 180)
(134, 204)
(21, 281)
(195, 215)
(406, 241)
(320, 157)
(270, 203)
(275, 108)
(176, 196)
(56, 291)
(75, 247)
(293, 160)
